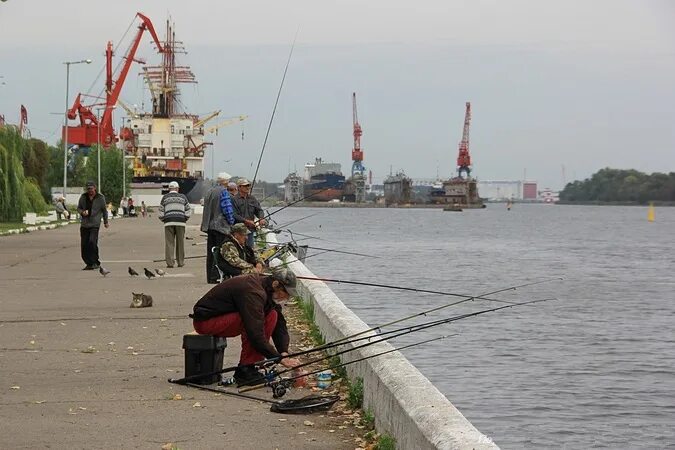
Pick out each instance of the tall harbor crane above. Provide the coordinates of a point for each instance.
(87, 132)
(357, 153)
(464, 158)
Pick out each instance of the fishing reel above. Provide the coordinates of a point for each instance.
(279, 386)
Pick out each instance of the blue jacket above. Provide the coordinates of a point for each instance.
(218, 212)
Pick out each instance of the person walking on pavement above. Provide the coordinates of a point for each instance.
(174, 211)
(247, 306)
(92, 208)
(247, 209)
(216, 220)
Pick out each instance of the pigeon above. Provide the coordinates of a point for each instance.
(160, 272)
(103, 271)
(132, 272)
(148, 274)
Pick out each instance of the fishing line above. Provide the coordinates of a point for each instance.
(392, 334)
(274, 110)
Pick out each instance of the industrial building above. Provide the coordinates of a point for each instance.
(498, 190)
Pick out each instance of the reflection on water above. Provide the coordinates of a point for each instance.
(594, 368)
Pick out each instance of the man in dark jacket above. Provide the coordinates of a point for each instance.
(247, 305)
(174, 211)
(247, 209)
(92, 208)
(216, 221)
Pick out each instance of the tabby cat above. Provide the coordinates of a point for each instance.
(140, 300)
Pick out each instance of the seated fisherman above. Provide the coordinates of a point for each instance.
(237, 258)
(247, 306)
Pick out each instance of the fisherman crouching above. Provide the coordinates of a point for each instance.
(237, 258)
(247, 306)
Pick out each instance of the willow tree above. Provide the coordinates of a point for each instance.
(18, 194)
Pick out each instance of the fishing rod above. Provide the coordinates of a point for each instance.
(292, 233)
(438, 308)
(342, 251)
(296, 201)
(286, 382)
(392, 334)
(274, 110)
(279, 387)
(297, 220)
(400, 288)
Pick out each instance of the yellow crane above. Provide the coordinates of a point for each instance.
(230, 121)
(206, 118)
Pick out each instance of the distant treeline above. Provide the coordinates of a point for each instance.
(615, 186)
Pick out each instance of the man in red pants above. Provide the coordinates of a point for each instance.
(246, 306)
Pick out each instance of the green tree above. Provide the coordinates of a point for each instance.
(18, 194)
(614, 185)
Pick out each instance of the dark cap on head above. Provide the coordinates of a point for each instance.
(90, 183)
(286, 278)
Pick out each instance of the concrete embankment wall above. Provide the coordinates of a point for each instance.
(405, 403)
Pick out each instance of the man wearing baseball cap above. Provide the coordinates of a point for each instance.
(92, 209)
(247, 209)
(247, 306)
(174, 211)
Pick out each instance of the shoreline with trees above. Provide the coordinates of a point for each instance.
(621, 187)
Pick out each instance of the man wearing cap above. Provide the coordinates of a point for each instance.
(216, 221)
(92, 208)
(247, 305)
(247, 208)
(237, 258)
(174, 211)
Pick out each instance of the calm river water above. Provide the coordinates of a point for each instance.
(596, 368)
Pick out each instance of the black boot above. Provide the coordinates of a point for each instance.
(248, 376)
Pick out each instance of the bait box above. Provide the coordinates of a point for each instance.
(203, 354)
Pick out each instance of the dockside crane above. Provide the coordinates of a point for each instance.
(87, 132)
(464, 158)
(357, 153)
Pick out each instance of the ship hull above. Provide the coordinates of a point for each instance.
(324, 187)
(193, 188)
(318, 195)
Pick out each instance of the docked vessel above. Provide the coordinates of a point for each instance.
(166, 144)
(323, 182)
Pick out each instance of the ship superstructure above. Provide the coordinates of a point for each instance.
(167, 144)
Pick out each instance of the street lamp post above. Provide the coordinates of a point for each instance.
(124, 165)
(65, 123)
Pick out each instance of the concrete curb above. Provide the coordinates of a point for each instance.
(405, 403)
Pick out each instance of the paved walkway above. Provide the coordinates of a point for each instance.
(80, 369)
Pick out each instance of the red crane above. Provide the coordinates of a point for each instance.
(464, 158)
(87, 132)
(357, 153)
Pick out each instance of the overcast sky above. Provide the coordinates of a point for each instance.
(577, 84)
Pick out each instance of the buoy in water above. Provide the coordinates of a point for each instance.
(650, 212)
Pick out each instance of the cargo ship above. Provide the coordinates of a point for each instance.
(166, 144)
(323, 182)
